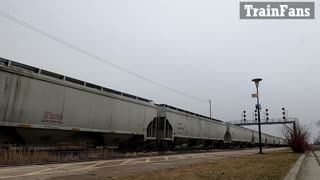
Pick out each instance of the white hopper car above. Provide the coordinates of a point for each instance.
(42, 108)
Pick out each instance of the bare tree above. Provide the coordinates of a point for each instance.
(297, 137)
(317, 139)
(318, 123)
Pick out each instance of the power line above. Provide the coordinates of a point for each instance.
(76, 48)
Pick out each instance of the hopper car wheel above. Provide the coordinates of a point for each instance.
(151, 146)
(164, 146)
(161, 146)
(136, 144)
(208, 144)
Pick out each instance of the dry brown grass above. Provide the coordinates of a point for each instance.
(269, 166)
(25, 156)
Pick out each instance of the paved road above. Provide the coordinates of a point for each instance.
(105, 169)
(310, 169)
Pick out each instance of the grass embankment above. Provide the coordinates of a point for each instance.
(269, 166)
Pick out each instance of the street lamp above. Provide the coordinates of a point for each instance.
(258, 107)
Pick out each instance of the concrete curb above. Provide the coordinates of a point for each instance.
(293, 173)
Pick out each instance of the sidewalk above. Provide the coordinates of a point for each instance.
(310, 169)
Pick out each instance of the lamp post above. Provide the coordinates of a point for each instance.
(210, 107)
(258, 107)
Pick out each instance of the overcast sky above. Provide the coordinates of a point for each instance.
(201, 48)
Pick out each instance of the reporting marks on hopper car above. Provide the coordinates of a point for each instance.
(276, 10)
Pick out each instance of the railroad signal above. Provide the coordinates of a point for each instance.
(255, 115)
(284, 114)
(244, 116)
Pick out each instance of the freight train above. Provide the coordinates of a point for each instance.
(43, 108)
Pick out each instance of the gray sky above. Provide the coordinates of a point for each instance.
(198, 47)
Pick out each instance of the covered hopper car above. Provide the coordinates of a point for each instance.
(43, 108)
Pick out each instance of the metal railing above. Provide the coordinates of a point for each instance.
(265, 121)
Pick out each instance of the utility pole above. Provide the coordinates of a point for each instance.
(210, 106)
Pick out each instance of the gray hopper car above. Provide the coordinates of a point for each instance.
(190, 129)
(39, 107)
